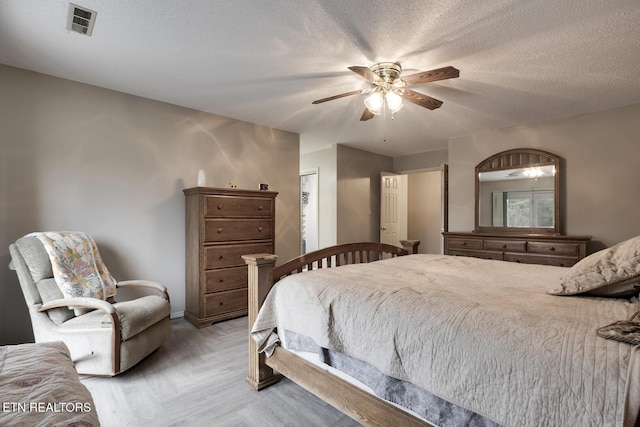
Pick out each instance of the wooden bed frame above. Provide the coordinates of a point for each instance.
(360, 405)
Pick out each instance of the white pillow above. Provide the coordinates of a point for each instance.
(612, 272)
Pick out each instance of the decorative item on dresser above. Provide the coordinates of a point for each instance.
(518, 212)
(221, 226)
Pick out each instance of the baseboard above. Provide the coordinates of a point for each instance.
(177, 314)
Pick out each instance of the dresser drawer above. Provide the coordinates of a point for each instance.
(231, 255)
(224, 230)
(223, 302)
(224, 279)
(218, 206)
(505, 245)
(457, 243)
(557, 250)
(558, 261)
(477, 254)
(554, 248)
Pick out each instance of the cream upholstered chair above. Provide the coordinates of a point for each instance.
(107, 340)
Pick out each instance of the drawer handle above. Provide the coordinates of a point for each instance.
(464, 243)
(221, 257)
(220, 230)
(220, 280)
(259, 228)
(552, 248)
(220, 303)
(260, 207)
(221, 205)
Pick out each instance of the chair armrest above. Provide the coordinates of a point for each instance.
(145, 284)
(79, 302)
(87, 303)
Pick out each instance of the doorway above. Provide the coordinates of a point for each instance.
(308, 210)
(393, 208)
(417, 209)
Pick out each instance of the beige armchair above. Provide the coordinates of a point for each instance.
(110, 337)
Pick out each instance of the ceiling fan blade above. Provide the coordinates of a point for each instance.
(366, 115)
(421, 99)
(432, 75)
(331, 98)
(366, 73)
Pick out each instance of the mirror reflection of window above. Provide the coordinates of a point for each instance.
(523, 209)
(518, 198)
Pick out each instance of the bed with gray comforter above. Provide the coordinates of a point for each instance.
(484, 336)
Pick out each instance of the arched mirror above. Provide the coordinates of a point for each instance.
(518, 191)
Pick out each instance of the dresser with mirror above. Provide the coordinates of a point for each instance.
(518, 212)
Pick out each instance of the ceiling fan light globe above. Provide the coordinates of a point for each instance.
(533, 172)
(394, 101)
(374, 103)
(395, 110)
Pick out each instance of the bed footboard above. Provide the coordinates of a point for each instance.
(262, 276)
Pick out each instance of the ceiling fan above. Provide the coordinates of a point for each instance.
(387, 87)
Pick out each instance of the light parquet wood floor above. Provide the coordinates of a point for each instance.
(197, 379)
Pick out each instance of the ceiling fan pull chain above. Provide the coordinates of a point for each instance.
(384, 124)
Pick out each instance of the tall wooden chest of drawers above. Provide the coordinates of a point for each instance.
(561, 251)
(221, 226)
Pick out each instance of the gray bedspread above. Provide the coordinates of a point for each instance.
(39, 386)
(481, 334)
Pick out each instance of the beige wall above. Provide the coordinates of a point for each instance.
(600, 171)
(424, 210)
(429, 160)
(326, 163)
(349, 190)
(359, 194)
(78, 157)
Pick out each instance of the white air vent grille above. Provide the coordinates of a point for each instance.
(80, 19)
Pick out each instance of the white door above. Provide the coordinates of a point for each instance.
(393, 208)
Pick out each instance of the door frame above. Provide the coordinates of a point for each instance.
(311, 171)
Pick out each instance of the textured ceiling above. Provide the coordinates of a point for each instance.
(264, 62)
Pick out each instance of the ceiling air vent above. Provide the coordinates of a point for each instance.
(80, 19)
